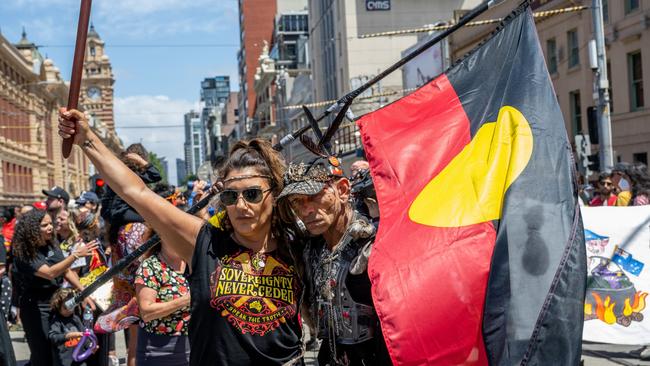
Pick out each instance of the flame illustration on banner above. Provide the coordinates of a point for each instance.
(611, 297)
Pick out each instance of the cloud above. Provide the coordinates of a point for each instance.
(146, 7)
(154, 111)
(50, 19)
(166, 17)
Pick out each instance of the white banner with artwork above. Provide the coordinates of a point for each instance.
(618, 282)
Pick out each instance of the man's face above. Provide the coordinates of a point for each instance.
(321, 211)
(92, 206)
(54, 203)
(606, 186)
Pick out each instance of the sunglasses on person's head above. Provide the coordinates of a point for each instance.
(251, 195)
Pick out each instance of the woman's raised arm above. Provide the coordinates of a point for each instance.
(174, 226)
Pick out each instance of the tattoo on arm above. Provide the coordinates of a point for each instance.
(88, 144)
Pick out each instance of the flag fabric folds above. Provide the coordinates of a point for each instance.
(479, 258)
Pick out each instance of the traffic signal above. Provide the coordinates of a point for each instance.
(594, 162)
(97, 185)
(592, 124)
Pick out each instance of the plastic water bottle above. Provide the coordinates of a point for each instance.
(88, 317)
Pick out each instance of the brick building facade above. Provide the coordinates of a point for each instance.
(31, 91)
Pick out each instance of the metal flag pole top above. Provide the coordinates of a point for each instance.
(341, 106)
(77, 67)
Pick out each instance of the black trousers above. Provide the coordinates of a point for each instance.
(7, 357)
(35, 317)
(362, 354)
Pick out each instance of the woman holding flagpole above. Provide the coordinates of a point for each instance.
(245, 291)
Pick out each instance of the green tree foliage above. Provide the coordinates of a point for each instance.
(188, 178)
(155, 161)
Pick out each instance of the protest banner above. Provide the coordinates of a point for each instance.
(618, 256)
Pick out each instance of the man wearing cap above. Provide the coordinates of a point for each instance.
(89, 200)
(57, 198)
(335, 260)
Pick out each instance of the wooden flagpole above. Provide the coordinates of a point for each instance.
(77, 67)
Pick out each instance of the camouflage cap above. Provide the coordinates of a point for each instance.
(309, 179)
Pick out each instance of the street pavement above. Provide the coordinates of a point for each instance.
(593, 354)
(22, 351)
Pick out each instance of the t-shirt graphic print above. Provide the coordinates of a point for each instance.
(254, 292)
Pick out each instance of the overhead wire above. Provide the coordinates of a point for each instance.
(179, 45)
(539, 14)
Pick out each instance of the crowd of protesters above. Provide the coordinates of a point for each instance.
(280, 246)
(54, 247)
(626, 185)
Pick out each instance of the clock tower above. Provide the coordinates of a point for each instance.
(97, 85)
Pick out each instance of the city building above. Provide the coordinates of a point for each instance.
(564, 39)
(181, 171)
(229, 123)
(255, 26)
(283, 66)
(341, 61)
(96, 97)
(194, 142)
(31, 91)
(214, 95)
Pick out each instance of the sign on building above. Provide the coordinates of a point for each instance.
(372, 5)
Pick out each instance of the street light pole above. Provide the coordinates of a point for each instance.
(602, 87)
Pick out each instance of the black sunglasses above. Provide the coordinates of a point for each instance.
(251, 195)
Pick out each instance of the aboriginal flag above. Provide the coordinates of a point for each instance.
(479, 257)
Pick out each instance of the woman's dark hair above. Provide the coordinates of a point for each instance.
(260, 155)
(137, 149)
(27, 235)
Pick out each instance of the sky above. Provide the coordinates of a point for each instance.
(160, 51)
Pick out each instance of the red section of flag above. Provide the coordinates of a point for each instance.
(429, 283)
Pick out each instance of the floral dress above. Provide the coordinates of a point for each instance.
(169, 285)
(123, 311)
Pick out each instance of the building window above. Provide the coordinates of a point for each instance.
(606, 11)
(551, 55)
(92, 51)
(574, 50)
(576, 112)
(636, 80)
(631, 5)
(640, 158)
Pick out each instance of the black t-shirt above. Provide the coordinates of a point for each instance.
(3, 251)
(244, 306)
(59, 327)
(31, 286)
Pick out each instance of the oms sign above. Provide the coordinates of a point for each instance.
(372, 5)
